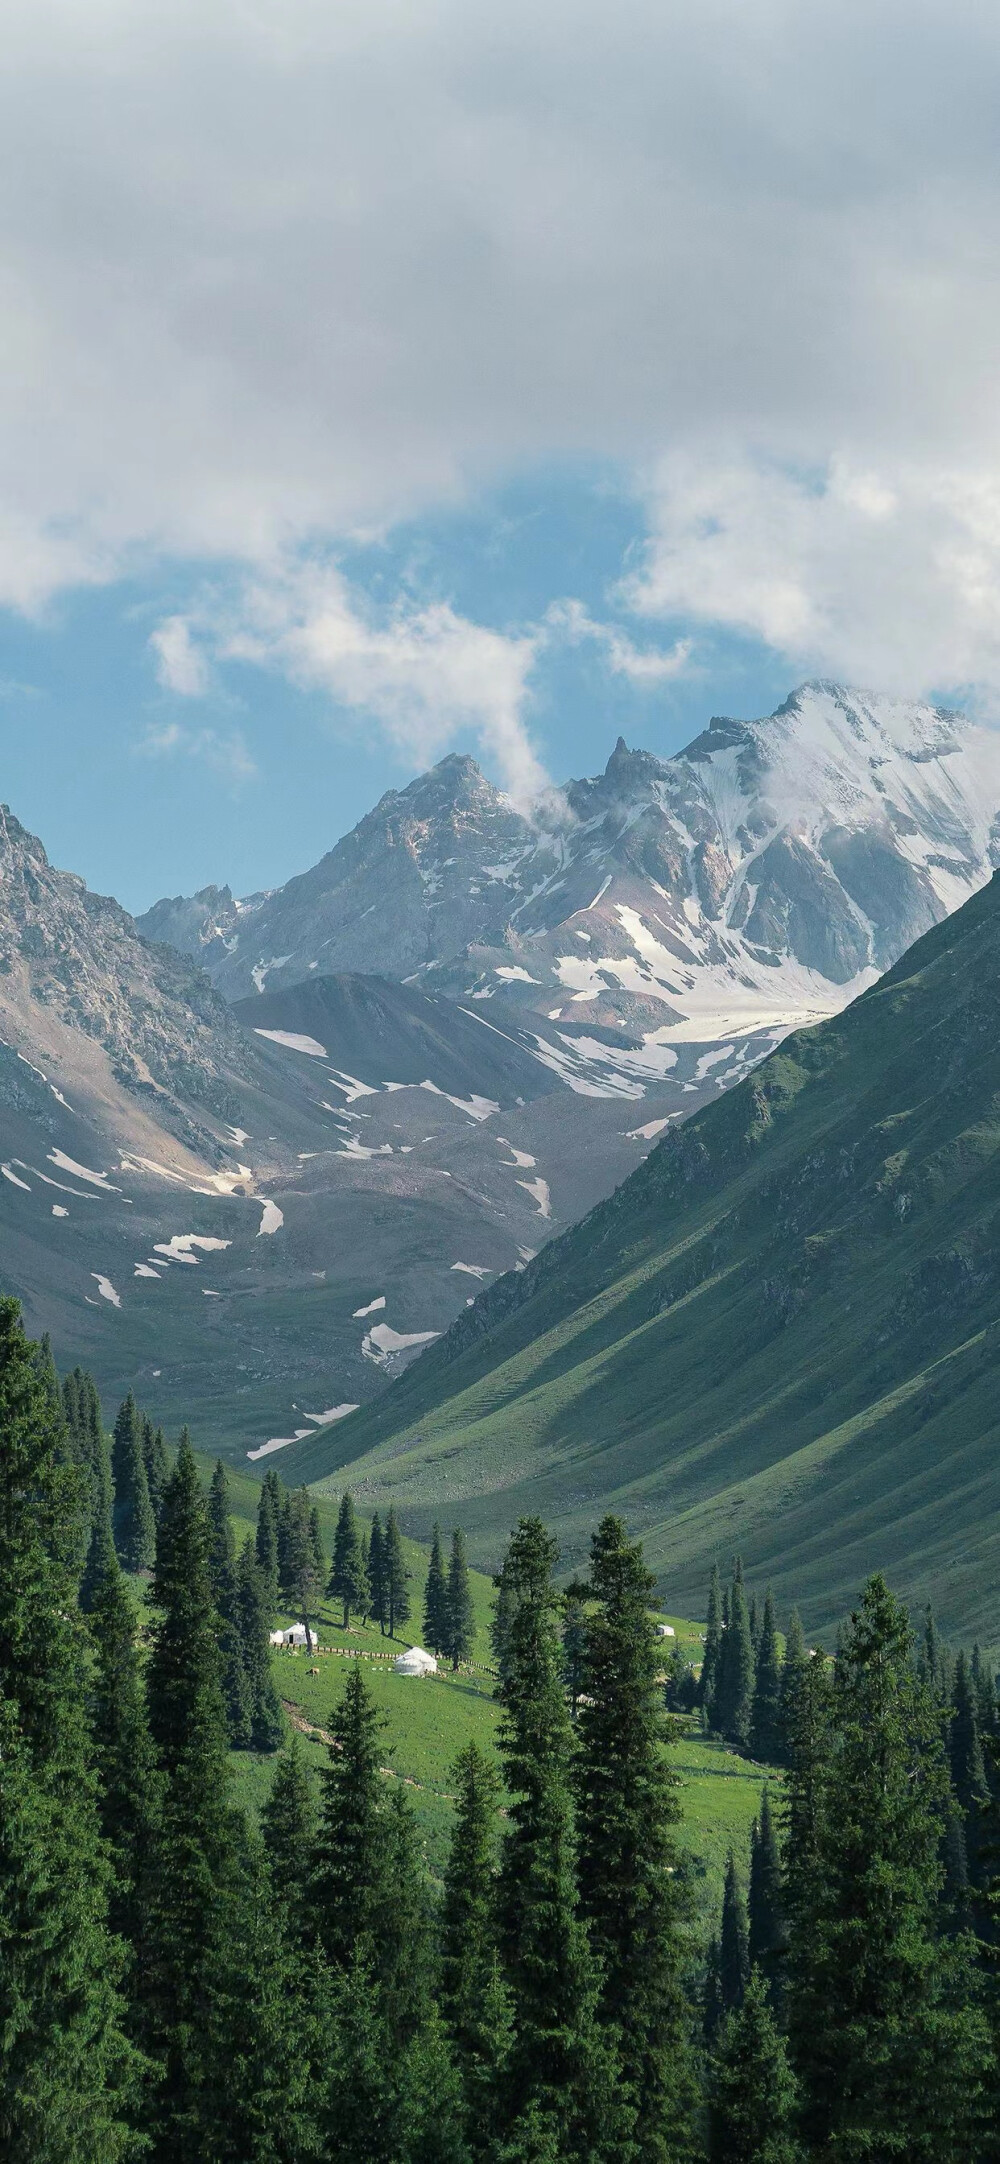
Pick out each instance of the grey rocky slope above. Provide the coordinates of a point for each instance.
(253, 1226)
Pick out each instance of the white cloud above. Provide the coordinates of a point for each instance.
(180, 664)
(422, 674)
(272, 274)
(640, 664)
(226, 754)
(888, 577)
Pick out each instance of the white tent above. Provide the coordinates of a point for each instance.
(295, 1636)
(665, 1630)
(415, 1662)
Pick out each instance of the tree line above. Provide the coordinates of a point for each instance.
(178, 1984)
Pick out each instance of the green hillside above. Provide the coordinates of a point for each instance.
(779, 1334)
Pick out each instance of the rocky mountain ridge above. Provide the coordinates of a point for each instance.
(757, 880)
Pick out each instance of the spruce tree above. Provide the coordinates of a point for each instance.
(709, 1678)
(574, 1637)
(350, 1872)
(68, 2079)
(503, 1615)
(713, 2012)
(461, 1620)
(157, 1464)
(135, 1530)
(366, 1899)
(260, 2047)
(765, 1716)
(753, 2095)
(968, 1770)
(101, 1544)
(266, 1720)
(194, 1835)
(397, 1599)
(379, 1609)
(559, 2077)
(347, 1571)
(734, 1695)
(127, 1781)
(436, 1600)
(734, 1955)
(222, 1581)
(472, 1997)
(627, 1812)
(765, 1913)
(318, 1551)
(302, 1587)
(793, 1668)
(266, 1540)
(885, 2034)
(289, 1821)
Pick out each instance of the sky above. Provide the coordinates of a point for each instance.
(412, 376)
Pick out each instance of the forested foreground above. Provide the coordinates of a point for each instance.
(176, 1984)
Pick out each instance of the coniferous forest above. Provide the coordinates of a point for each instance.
(177, 1982)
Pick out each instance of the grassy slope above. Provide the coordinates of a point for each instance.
(427, 1723)
(781, 1333)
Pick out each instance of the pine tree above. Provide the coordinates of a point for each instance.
(472, 1998)
(461, 1620)
(765, 1718)
(574, 1637)
(377, 1593)
(765, 1912)
(436, 1599)
(397, 1599)
(259, 2047)
(734, 1955)
(157, 1464)
(266, 1542)
(755, 1624)
(194, 1835)
(885, 2034)
(366, 1898)
(366, 1581)
(708, 1680)
(347, 1572)
(793, 1668)
(558, 2072)
(266, 1720)
(289, 1821)
(68, 2079)
(734, 1694)
(101, 1544)
(627, 1810)
(349, 1881)
(284, 1524)
(135, 1531)
(713, 2012)
(301, 1586)
(503, 1615)
(127, 1783)
(222, 1580)
(753, 2103)
(318, 1551)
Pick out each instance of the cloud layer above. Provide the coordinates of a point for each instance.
(271, 275)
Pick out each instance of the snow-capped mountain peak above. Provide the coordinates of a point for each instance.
(757, 880)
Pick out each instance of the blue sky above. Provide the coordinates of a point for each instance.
(267, 774)
(404, 376)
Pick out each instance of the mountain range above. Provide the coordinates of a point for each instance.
(253, 1173)
(758, 880)
(780, 1336)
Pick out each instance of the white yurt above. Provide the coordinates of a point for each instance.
(665, 1630)
(295, 1635)
(415, 1662)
